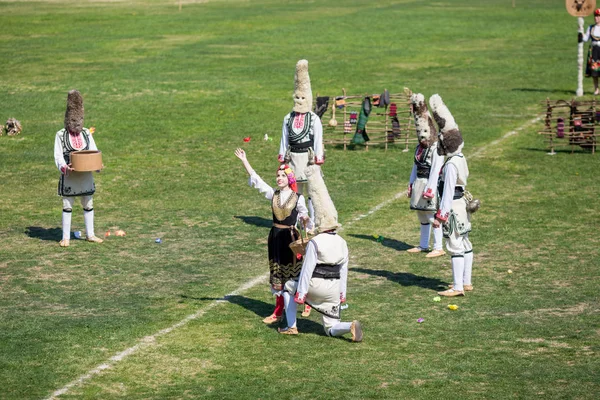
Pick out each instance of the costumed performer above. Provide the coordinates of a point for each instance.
(422, 187)
(452, 214)
(288, 207)
(74, 137)
(593, 59)
(324, 275)
(302, 135)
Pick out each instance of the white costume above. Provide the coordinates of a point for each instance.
(424, 175)
(323, 278)
(302, 133)
(74, 137)
(453, 205)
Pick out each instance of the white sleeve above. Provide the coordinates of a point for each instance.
(437, 162)
(586, 34)
(450, 176)
(283, 144)
(59, 158)
(308, 267)
(318, 138)
(257, 182)
(413, 174)
(344, 272)
(92, 141)
(303, 211)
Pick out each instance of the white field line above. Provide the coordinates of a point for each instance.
(477, 153)
(150, 340)
(480, 151)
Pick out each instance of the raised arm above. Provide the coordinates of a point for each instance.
(241, 154)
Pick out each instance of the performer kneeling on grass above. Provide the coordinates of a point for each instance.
(422, 187)
(301, 142)
(74, 137)
(324, 274)
(288, 207)
(453, 205)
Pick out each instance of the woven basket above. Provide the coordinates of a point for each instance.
(299, 246)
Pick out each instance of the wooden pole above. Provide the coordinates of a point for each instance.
(579, 91)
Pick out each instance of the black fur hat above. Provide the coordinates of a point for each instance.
(74, 113)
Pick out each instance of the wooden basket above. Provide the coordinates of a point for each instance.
(86, 160)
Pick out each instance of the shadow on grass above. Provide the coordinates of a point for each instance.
(545, 90)
(53, 234)
(565, 150)
(391, 243)
(404, 278)
(256, 221)
(263, 309)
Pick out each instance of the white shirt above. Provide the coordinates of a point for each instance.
(256, 181)
(596, 30)
(310, 262)
(317, 131)
(59, 158)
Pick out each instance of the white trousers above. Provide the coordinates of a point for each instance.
(425, 218)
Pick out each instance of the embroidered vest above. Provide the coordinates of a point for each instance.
(286, 213)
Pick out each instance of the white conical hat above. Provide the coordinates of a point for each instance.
(302, 90)
(326, 216)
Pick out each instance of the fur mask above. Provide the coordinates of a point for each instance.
(426, 132)
(302, 90)
(74, 113)
(450, 139)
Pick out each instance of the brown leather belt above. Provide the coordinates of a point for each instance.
(282, 226)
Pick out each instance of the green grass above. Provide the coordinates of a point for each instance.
(172, 94)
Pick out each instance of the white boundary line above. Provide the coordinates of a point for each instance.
(150, 340)
(478, 152)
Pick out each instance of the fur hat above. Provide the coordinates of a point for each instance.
(326, 217)
(450, 138)
(13, 127)
(302, 91)
(423, 121)
(74, 113)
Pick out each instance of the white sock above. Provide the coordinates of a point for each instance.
(425, 231)
(66, 225)
(437, 238)
(291, 307)
(88, 217)
(339, 329)
(458, 270)
(468, 267)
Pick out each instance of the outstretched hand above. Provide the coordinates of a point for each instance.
(241, 154)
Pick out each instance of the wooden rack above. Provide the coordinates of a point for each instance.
(571, 123)
(379, 126)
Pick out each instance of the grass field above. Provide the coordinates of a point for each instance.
(172, 94)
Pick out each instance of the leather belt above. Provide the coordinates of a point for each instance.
(282, 226)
